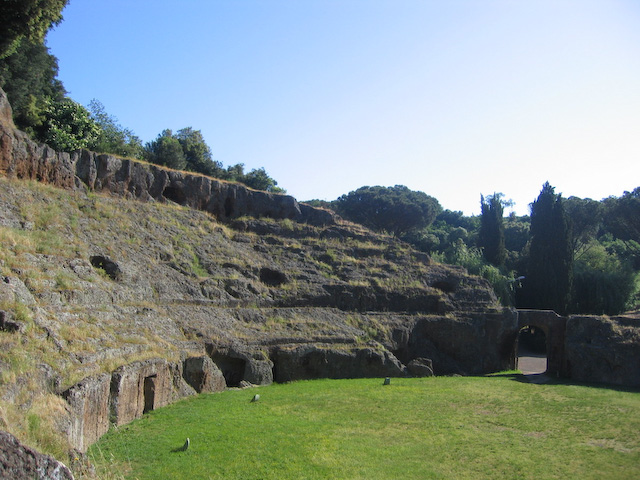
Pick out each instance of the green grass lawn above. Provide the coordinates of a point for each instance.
(441, 428)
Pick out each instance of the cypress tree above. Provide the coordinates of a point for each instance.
(550, 272)
(491, 234)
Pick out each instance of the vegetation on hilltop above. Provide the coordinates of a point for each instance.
(572, 255)
(396, 210)
(41, 107)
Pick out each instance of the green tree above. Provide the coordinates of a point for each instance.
(393, 209)
(602, 283)
(259, 179)
(113, 138)
(197, 153)
(586, 218)
(491, 234)
(622, 219)
(29, 78)
(166, 150)
(27, 19)
(549, 275)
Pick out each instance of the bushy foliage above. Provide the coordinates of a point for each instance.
(473, 260)
(622, 219)
(396, 210)
(166, 150)
(67, 126)
(187, 150)
(605, 268)
(602, 283)
(259, 179)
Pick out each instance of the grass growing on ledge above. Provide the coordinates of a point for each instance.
(432, 428)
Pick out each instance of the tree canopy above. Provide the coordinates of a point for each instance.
(29, 78)
(166, 150)
(623, 218)
(393, 209)
(27, 19)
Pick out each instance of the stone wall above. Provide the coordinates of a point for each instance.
(20, 157)
(603, 350)
(326, 361)
(131, 390)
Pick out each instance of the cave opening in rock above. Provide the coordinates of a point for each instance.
(228, 207)
(149, 393)
(272, 278)
(232, 368)
(531, 350)
(111, 268)
(175, 194)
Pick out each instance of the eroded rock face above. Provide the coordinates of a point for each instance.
(140, 387)
(264, 299)
(23, 158)
(420, 367)
(19, 462)
(239, 364)
(604, 350)
(471, 344)
(315, 361)
(89, 405)
(203, 375)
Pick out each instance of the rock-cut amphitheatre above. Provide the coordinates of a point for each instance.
(131, 286)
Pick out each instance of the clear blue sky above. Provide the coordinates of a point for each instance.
(456, 98)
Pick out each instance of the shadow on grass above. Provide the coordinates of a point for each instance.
(545, 379)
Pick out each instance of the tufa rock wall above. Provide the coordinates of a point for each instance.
(132, 390)
(89, 407)
(21, 157)
(603, 350)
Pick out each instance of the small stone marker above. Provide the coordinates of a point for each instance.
(387, 381)
(255, 398)
(186, 445)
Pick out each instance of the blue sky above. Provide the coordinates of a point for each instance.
(455, 98)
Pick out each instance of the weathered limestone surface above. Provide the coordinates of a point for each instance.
(19, 462)
(420, 367)
(470, 344)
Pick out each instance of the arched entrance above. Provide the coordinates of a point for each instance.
(553, 326)
(531, 350)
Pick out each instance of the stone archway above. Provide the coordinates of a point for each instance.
(531, 350)
(554, 327)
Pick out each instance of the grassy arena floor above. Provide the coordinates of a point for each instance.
(495, 427)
